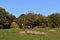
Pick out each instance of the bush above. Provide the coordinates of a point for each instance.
(14, 25)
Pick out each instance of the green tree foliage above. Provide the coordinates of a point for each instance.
(54, 20)
(5, 18)
(40, 20)
(32, 19)
(28, 19)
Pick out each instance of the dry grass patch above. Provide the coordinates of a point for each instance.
(33, 32)
(52, 30)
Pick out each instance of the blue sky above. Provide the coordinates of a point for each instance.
(17, 7)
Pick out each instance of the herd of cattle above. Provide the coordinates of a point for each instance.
(24, 26)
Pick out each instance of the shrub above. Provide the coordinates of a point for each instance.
(14, 25)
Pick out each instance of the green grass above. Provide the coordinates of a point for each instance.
(13, 34)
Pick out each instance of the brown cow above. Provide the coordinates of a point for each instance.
(41, 27)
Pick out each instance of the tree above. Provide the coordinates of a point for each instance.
(5, 18)
(54, 20)
(32, 19)
(26, 19)
(40, 20)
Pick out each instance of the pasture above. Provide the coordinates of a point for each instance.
(13, 34)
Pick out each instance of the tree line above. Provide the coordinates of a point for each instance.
(30, 19)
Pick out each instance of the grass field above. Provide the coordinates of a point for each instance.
(13, 34)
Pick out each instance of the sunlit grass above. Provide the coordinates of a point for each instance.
(13, 34)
